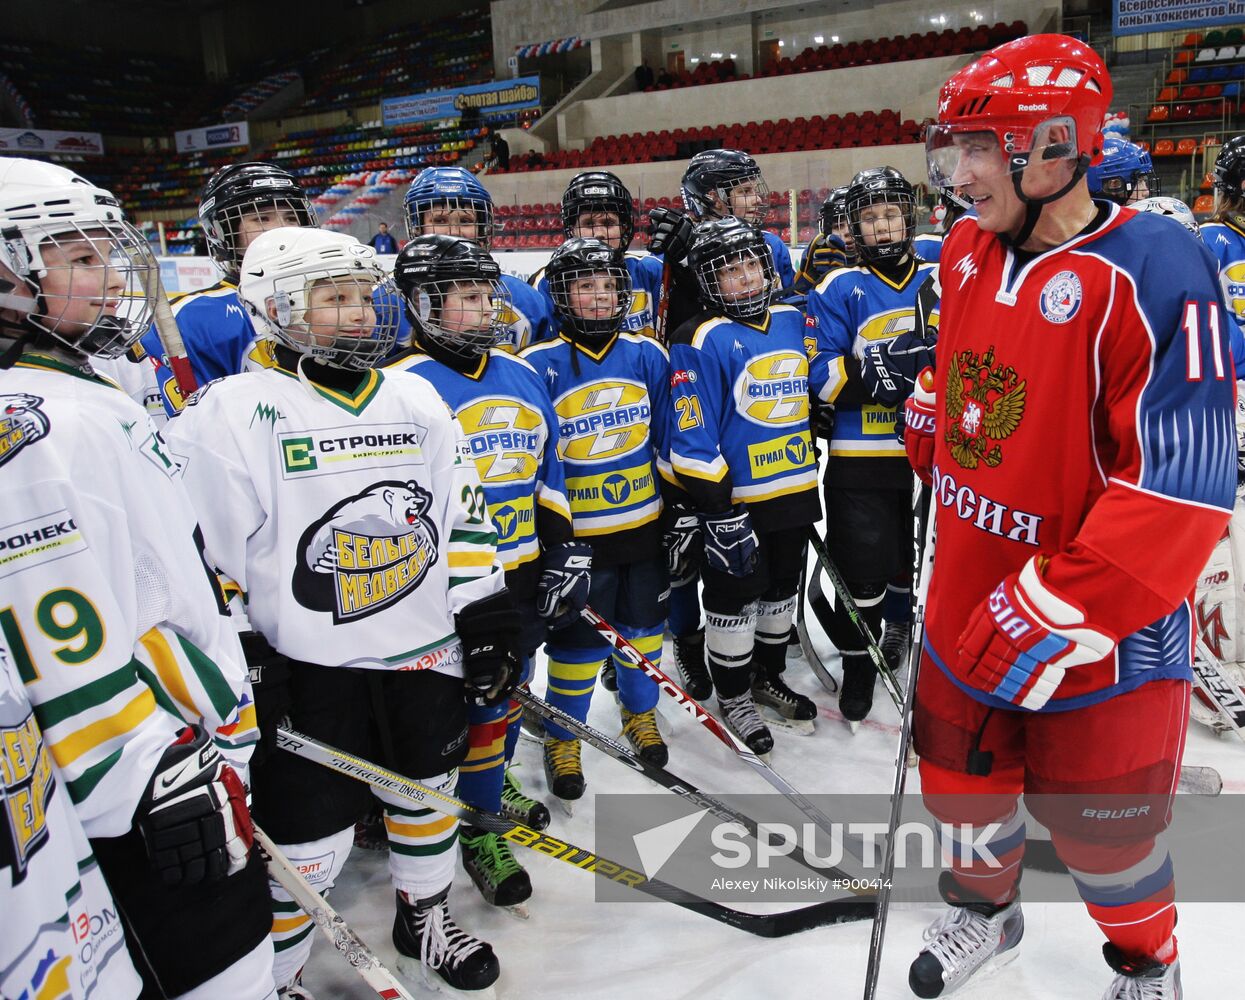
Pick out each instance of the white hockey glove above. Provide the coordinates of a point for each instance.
(1023, 637)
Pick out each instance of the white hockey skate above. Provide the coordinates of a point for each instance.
(968, 941)
(1141, 979)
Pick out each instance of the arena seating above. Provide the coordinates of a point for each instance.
(870, 52)
(95, 90)
(538, 225)
(320, 156)
(422, 57)
(869, 128)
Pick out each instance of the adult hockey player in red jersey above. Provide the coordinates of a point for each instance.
(1083, 402)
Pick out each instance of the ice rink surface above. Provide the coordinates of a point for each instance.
(574, 947)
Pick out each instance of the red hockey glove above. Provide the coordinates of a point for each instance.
(193, 815)
(918, 435)
(1021, 639)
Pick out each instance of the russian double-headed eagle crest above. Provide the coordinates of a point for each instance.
(984, 402)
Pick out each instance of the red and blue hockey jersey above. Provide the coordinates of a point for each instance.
(1085, 412)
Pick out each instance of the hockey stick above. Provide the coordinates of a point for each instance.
(701, 715)
(831, 911)
(814, 661)
(171, 338)
(924, 571)
(684, 789)
(663, 304)
(889, 680)
(335, 928)
(1225, 697)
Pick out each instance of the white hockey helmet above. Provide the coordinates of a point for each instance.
(90, 274)
(1173, 208)
(322, 294)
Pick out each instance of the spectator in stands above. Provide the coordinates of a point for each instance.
(382, 242)
(499, 149)
(643, 76)
(664, 79)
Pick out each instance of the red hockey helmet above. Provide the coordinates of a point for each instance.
(1020, 92)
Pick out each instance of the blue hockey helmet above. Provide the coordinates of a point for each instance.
(1122, 171)
(449, 188)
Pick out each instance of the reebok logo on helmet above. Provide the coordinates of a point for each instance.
(1033, 107)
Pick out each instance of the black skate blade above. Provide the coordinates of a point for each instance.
(423, 983)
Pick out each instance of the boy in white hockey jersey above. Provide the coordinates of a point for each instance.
(113, 624)
(458, 309)
(341, 500)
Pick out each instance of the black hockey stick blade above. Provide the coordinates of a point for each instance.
(781, 924)
(811, 596)
(684, 789)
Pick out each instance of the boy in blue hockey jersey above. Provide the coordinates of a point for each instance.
(597, 205)
(740, 449)
(719, 183)
(241, 201)
(451, 201)
(458, 312)
(611, 391)
(868, 481)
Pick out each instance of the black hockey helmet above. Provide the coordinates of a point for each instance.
(577, 259)
(882, 186)
(833, 215)
(709, 178)
(721, 243)
(429, 269)
(239, 187)
(1230, 168)
(598, 191)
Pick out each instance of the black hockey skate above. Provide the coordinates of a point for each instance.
(640, 728)
(795, 712)
(896, 639)
(428, 940)
(689, 659)
(609, 675)
(492, 867)
(522, 808)
(563, 770)
(856, 697)
(740, 715)
(1141, 978)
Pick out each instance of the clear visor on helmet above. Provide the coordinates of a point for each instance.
(238, 225)
(592, 300)
(959, 156)
(747, 199)
(740, 282)
(343, 319)
(466, 316)
(95, 284)
(463, 218)
(1137, 186)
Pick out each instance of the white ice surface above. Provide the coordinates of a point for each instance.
(573, 947)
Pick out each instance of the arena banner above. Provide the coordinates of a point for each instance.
(1132, 17)
(500, 95)
(213, 137)
(34, 141)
